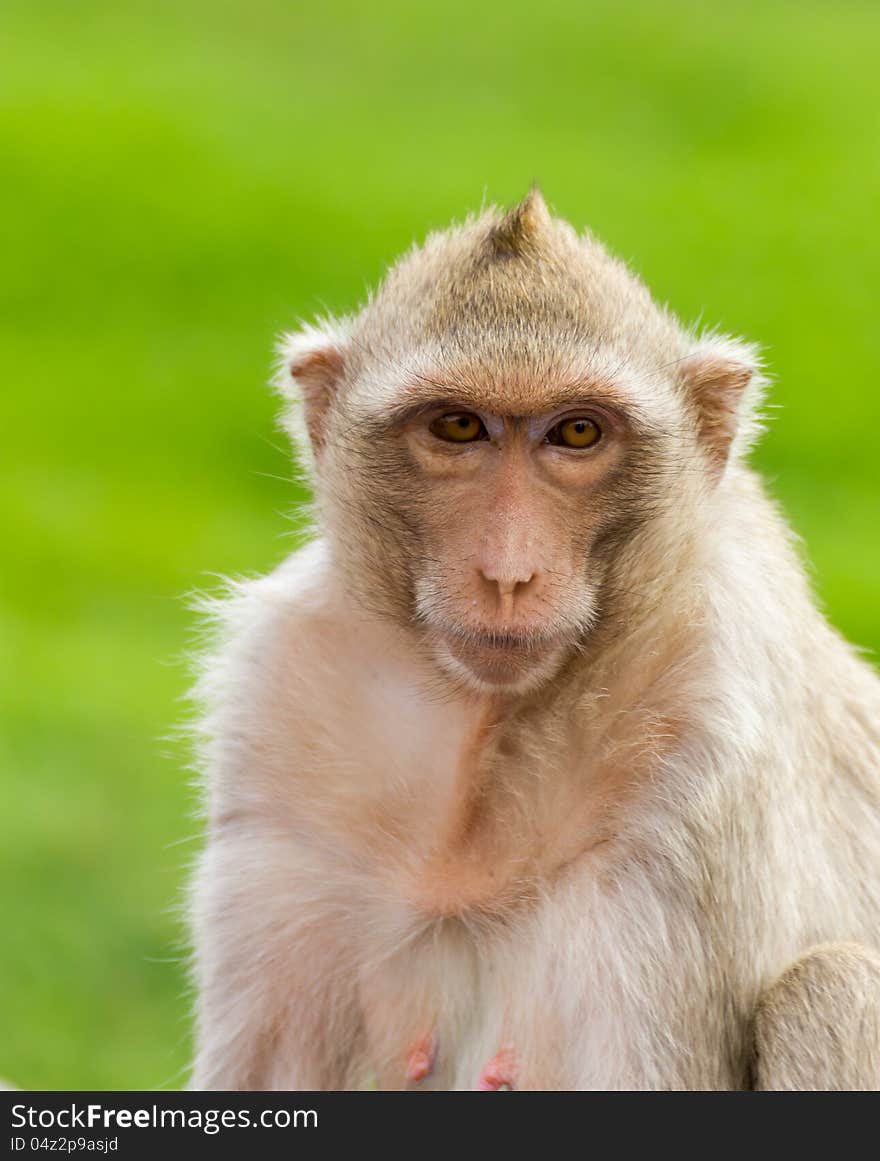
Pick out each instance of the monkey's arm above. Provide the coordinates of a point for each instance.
(818, 1026)
(277, 1007)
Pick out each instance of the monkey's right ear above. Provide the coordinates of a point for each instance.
(722, 377)
(313, 362)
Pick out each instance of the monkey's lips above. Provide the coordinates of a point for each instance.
(502, 658)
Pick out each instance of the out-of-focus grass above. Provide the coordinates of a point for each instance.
(179, 181)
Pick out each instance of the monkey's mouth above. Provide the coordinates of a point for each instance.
(497, 658)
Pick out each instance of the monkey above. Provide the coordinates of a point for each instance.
(537, 765)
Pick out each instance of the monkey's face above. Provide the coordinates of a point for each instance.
(508, 521)
(510, 513)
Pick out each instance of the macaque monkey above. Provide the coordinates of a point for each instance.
(537, 768)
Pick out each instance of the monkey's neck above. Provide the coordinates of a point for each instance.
(471, 784)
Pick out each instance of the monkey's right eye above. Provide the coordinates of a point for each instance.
(458, 427)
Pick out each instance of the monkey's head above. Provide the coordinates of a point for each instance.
(511, 441)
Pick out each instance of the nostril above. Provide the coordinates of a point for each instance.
(507, 585)
(514, 587)
(495, 579)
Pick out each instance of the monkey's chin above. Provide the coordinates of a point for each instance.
(503, 666)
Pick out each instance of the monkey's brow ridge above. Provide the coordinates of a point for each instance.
(423, 394)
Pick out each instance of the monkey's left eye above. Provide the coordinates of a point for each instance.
(579, 432)
(458, 427)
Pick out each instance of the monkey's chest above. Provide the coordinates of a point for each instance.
(442, 1007)
(542, 996)
(487, 856)
(500, 959)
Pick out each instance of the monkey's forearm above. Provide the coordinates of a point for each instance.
(818, 1026)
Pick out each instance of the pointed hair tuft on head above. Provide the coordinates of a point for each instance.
(517, 231)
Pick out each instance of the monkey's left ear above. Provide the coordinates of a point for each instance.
(313, 363)
(722, 379)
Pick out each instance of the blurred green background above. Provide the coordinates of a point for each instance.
(182, 180)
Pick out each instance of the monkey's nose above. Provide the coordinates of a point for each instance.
(506, 586)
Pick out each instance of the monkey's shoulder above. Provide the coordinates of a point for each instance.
(251, 615)
(298, 667)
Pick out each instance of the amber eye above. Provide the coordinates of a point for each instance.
(578, 432)
(457, 427)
